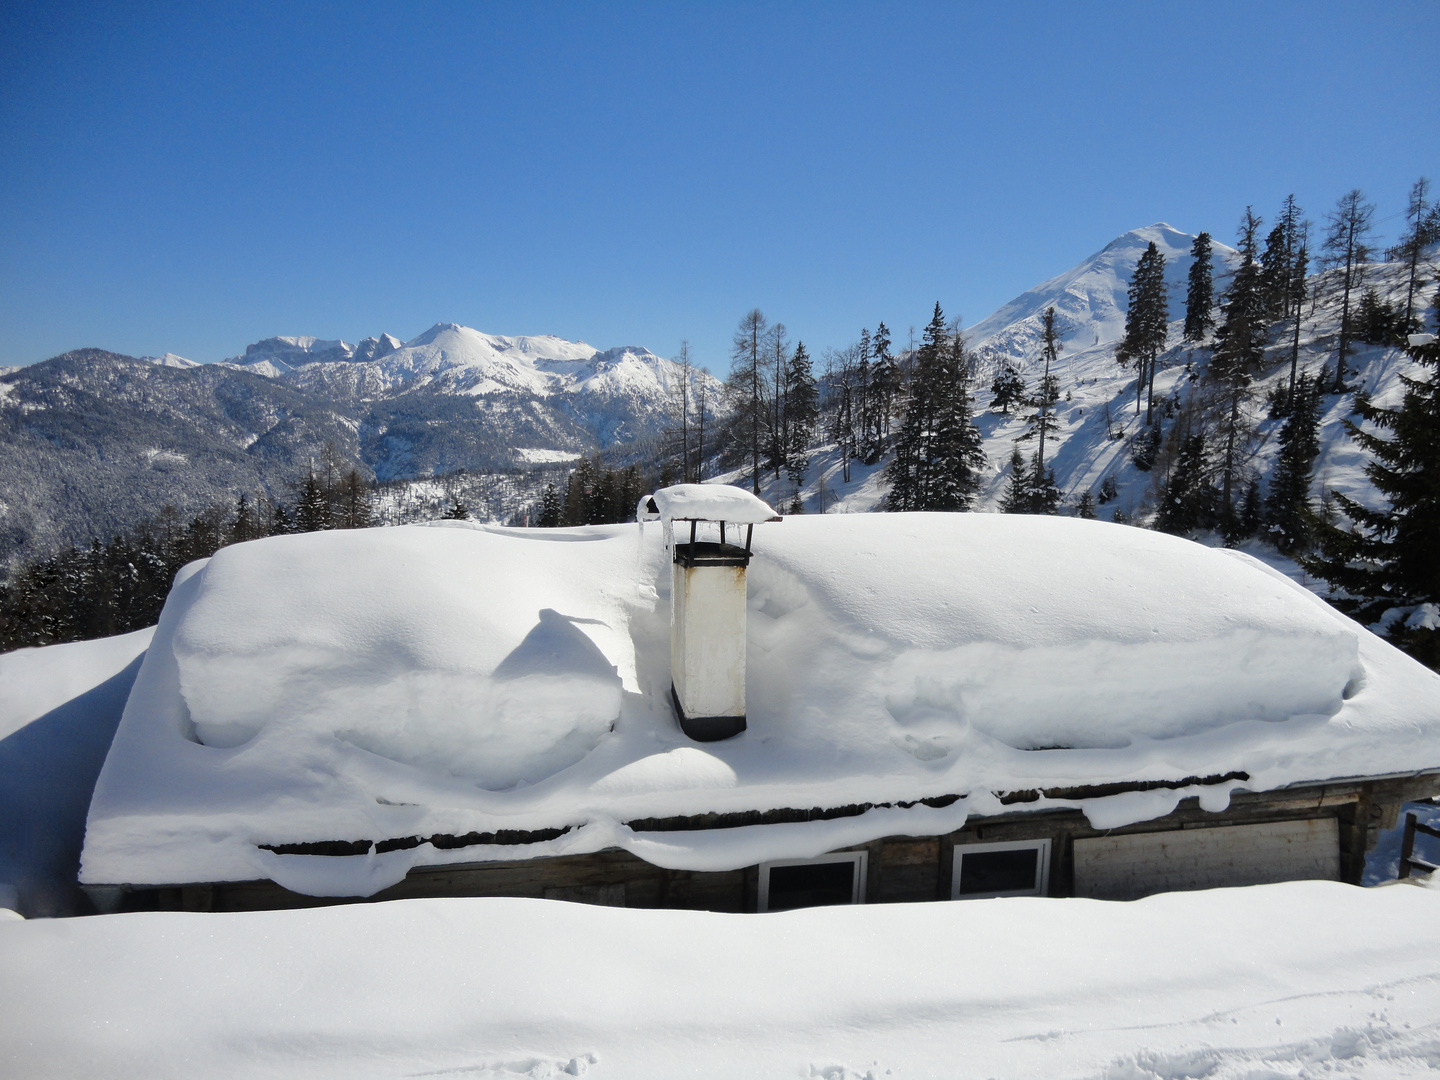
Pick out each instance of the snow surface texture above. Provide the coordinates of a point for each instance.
(58, 710)
(1300, 980)
(459, 678)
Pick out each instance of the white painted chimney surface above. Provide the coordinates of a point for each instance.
(707, 639)
(707, 600)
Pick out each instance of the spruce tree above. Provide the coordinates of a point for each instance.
(284, 521)
(1297, 235)
(1042, 421)
(582, 493)
(801, 412)
(860, 405)
(1251, 511)
(959, 446)
(1008, 389)
(1015, 499)
(1200, 293)
(938, 449)
(458, 511)
(913, 472)
(1045, 494)
(1183, 502)
(1278, 261)
(1411, 248)
(1275, 272)
(1376, 321)
(1145, 448)
(884, 389)
(1146, 319)
(549, 508)
(1299, 267)
(1347, 249)
(1085, 505)
(1288, 504)
(312, 509)
(1391, 558)
(1238, 355)
(841, 374)
(354, 502)
(245, 526)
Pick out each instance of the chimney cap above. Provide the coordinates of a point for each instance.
(705, 502)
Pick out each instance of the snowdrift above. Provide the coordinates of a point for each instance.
(1305, 979)
(456, 679)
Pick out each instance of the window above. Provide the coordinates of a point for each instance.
(798, 883)
(1019, 868)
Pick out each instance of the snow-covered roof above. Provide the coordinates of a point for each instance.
(459, 681)
(711, 502)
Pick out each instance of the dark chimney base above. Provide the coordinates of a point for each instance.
(706, 728)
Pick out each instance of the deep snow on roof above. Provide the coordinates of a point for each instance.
(452, 678)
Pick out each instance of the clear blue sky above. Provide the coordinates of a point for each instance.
(191, 177)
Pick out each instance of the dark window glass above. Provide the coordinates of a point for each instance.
(998, 871)
(812, 885)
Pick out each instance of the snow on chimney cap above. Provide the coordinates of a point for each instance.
(705, 502)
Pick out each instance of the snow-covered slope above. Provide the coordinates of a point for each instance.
(1097, 414)
(1299, 981)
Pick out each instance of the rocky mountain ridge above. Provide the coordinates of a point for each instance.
(93, 440)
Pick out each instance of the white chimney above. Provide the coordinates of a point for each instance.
(708, 528)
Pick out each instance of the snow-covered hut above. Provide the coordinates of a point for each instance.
(937, 706)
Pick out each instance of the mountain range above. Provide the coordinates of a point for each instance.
(92, 440)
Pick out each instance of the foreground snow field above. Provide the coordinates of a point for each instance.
(1305, 979)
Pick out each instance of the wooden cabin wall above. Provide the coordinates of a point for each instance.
(901, 868)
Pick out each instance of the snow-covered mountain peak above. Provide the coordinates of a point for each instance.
(276, 355)
(484, 363)
(169, 360)
(372, 348)
(1162, 234)
(1090, 298)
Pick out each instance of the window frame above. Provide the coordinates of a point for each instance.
(858, 880)
(1042, 876)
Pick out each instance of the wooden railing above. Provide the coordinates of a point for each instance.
(1408, 860)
